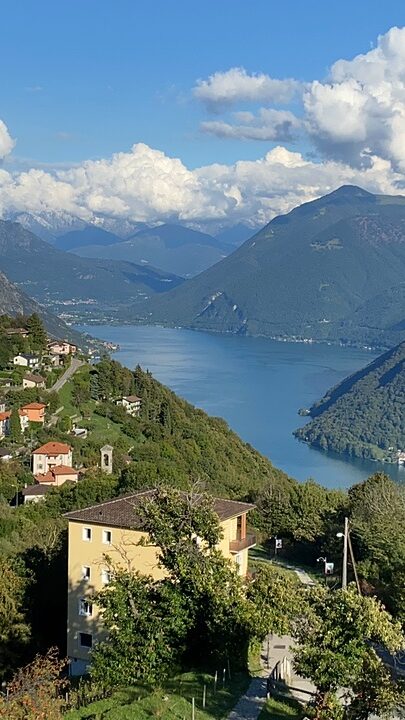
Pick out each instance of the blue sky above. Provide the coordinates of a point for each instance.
(207, 113)
(86, 78)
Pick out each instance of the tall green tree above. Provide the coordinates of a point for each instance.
(37, 334)
(15, 426)
(336, 637)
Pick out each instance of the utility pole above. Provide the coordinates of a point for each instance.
(345, 547)
(345, 536)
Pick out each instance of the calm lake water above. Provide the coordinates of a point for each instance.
(256, 384)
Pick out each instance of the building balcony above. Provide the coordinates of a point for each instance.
(236, 546)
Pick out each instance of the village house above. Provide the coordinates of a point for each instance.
(34, 412)
(61, 347)
(55, 477)
(113, 528)
(20, 332)
(5, 455)
(33, 381)
(50, 455)
(131, 404)
(5, 422)
(27, 360)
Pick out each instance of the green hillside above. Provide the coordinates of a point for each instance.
(364, 415)
(331, 269)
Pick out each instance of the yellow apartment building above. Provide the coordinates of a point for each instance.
(113, 528)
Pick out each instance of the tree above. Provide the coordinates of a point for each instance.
(37, 334)
(335, 636)
(14, 632)
(35, 690)
(377, 508)
(200, 603)
(277, 601)
(15, 426)
(147, 623)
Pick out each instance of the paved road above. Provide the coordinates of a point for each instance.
(69, 372)
(250, 705)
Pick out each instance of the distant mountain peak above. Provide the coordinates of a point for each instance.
(350, 192)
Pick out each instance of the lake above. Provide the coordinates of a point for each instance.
(256, 384)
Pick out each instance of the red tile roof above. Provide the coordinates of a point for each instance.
(33, 406)
(5, 415)
(53, 448)
(121, 512)
(64, 470)
(132, 398)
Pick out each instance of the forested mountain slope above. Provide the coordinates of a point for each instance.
(52, 275)
(364, 415)
(173, 248)
(331, 269)
(14, 302)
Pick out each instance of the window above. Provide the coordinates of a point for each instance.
(105, 577)
(107, 537)
(85, 608)
(85, 640)
(87, 534)
(85, 572)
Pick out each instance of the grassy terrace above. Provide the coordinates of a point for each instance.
(172, 702)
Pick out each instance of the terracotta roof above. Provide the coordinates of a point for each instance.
(53, 448)
(36, 489)
(33, 406)
(45, 478)
(121, 512)
(5, 415)
(34, 378)
(132, 398)
(64, 470)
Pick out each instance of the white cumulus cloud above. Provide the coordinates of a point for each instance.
(236, 85)
(6, 141)
(269, 124)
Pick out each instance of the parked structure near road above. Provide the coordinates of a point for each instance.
(114, 528)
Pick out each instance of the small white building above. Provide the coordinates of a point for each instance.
(131, 404)
(33, 381)
(49, 455)
(26, 360)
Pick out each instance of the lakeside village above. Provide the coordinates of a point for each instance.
(134, 516)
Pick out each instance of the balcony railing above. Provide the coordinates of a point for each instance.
(236, 546)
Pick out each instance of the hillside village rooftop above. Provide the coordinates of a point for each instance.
(121, 512)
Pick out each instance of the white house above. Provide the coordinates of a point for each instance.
(49, 455)
(25, 360)
(33, 381)
(131, 404)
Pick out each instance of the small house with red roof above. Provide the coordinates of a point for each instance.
(34, 412)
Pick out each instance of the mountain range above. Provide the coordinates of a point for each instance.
(172, 248)
(54, 277)
(330, 270)
(364, 415)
